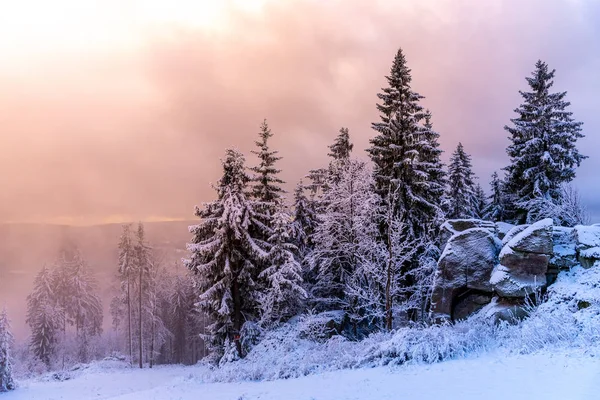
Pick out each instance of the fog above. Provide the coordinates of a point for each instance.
(109, 119)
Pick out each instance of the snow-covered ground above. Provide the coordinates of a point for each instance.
(565, 375)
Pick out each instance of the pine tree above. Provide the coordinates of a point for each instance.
(344, 236)
(267, 185)
(479, 202)
(126, 279)
(142, 265)
(405, 155)
(303, 222)
(283, 295)
(6, 341)
(543, 153)
(339, 152)
(460, 198)
(226, 256)
(430, 158)
(495, 210)
(43, 317)
(76, 295)
(401, 169)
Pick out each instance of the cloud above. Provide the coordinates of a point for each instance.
(138, 133)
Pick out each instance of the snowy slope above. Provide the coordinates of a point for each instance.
(566, 375)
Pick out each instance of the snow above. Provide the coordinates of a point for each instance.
(588, 236)
(549, 375)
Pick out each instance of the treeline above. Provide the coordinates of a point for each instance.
(363, 237)
(357, 237)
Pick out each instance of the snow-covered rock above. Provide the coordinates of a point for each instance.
(588, 244)
(564, 251)
(509, 310)
(466, 263)
(524, 261)
(514, 231)
(503, 228)
(454, 226)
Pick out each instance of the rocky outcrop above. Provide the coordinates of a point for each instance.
(498, 266)
(524, 261)
(466, 263)
(587, 240)
(454, 226)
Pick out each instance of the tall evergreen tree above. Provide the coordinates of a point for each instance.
(543, 153)
(402, 173)
(283, 295)
(479, 202)
(43, 317)
(126, 281)
(344, 236)
(460, 199)
(430, 158)
(226, 256)
(495, 210)
(6, 341)
(142, 265)
(267, 185)
(405, 155)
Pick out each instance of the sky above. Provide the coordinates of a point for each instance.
(120, 110)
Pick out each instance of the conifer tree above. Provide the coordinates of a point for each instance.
(344, 236)
(401, 169)
(142, 265)
(43, 317)
(6, 341)
(339, 152)
(226, 256)
(460, 199)
(405, 155)
(267, 185)
(495, 210)
(430, 157)
(543, 153)
(126, 280)
(479, 202)
(283, 295)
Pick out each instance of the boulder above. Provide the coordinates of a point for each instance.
(514, 231)
(503, 228)
(564, 251)
(536, 238)
(524, 260)
(454, 226)
(587, 244)
(466, 263)
(509, 310)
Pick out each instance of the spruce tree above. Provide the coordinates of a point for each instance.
(227, 257)
(479, 202)
(6, 341)
(126, 280)
(344, 236)
(267, 185)
(43, 317)
(430, 158)
(460, 198)
(495, 210)
(405, 155)
(283, 295)
(401, 169)
(543, 153)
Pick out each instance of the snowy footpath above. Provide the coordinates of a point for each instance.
(564, 376)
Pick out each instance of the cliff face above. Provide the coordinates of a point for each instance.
(502, 267)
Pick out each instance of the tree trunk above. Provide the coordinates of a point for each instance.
(388, 283)
(129, 321)
(237, 315)
(140, 319)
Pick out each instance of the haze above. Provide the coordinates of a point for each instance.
(119, 110)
